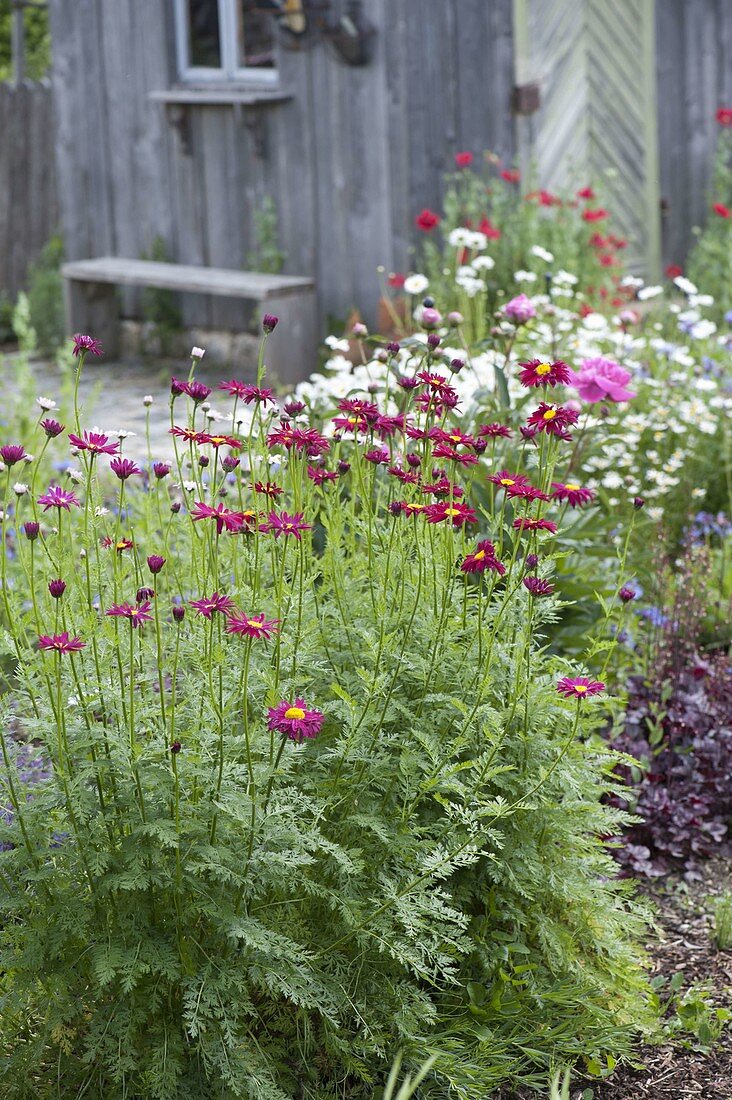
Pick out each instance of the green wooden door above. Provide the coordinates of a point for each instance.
(594, 61)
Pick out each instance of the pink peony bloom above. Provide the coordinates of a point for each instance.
(519, 310)
(602, 380)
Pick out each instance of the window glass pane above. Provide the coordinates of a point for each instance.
(203, 33)
(256, 34)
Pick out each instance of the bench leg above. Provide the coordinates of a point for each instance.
(292, 347)
(92, 308)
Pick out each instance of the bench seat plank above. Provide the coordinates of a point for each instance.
(91, 303)
(185, 277)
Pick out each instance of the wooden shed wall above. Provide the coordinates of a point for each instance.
(694, 69)
(28, 205)
(349, 160)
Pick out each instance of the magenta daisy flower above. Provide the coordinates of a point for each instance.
(494, 431)
(124, 468)
(52, 428)
(320, 475)
(285, 524)
(574, 494)
(552, 419)
(161, 470)
(537, 373)
(137, 614)
(482, 558)
(85, 344)
(579, 687)
(224, 517)
(453, 512)
(252, 626)
(60, 643)
(12, 453)
(95, 443)
(506, 480)
(208, 604)
(525, 523)
(56, 497)
(537, 586)
(295, 720)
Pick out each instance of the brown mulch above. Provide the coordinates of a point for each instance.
(680, 942)
(683, 943)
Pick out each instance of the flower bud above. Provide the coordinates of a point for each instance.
(359, 330)
(179, 613)
(454, 318)
(203, 461)
(155, 563)
(175, 507)
(57, 588)
(393, 347)
(144, 594)
(269, 322)
(456, 365)
(433, 340)
(638, 503)
(161, 470)
(175, 748)
(230, 463)
(293, 407)
(31, 529)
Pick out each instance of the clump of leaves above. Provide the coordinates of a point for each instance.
(722, 921)
(678, 726)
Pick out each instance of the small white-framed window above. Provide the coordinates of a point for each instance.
(226, 40)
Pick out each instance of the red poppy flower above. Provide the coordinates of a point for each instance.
(721, 210)
(463, 160)
(489, 230)
(673, 271)
(427, 220)
(586, 193)
(724, 116)
(597, 214)
(511, 175)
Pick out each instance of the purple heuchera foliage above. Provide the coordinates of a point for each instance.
(684, 794)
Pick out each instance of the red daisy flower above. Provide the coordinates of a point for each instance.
(552, 419)
(721, 210)
(463, 160)
(579, 687)
(217, 441)
(252, 626)
(537, 586)
(269, 489)
(122, 544)
(538, 373)
(191, 435)
(60, 643)
(443, 450)
(507, 480)
(482, 558)
(595, 215)
(409, 507)
(454, 512)
(494, 431)
(319, 475)
(525, 523)
(574, 494)
(443, 488)
(724, 116)
(95, 443)
(359, 407)
(295, 720)
(511, 175)
(85, 344)
(524, 491)
(355, 423)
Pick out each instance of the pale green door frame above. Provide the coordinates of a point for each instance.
(595, 64)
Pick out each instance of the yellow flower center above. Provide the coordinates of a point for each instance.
(479, 555)
(571, 486)
(415, 507)
(550, 414)
(507, 481)
(294, 712)
(452, 512)
(254, 623)
(217, 440)
(544, 368)
(122, 545)
(580, 689)
(455, 438)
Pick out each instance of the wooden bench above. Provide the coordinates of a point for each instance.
(91, 303)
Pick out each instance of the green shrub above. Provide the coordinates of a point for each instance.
(45, 297)
(198, 905)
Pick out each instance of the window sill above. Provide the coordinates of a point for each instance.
(220, 97)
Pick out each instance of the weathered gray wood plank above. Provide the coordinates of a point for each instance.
(194, 280)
